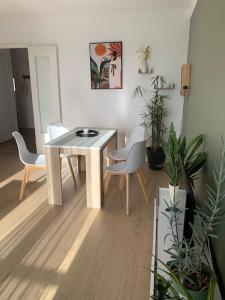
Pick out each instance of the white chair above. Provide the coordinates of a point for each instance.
(137, 135)
(55, 130)
(132, 165)
(30, 160)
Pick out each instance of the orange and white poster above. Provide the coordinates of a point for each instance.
(106, 65)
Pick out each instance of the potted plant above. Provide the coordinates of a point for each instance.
(174, 289)
(172, 162)
(153, 119)
(190, 155)
(158, 82)
(190, 267)
(143, 56)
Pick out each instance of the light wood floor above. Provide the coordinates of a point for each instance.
(72, 252)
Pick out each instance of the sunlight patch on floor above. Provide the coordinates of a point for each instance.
(18, 215)
(15, 176)
(73, 251)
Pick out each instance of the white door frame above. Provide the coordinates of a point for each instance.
(27, 45)
(40, 51)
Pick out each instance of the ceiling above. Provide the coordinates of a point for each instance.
(64, 7)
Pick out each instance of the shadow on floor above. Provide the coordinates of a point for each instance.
(9, 194)
(32, 252)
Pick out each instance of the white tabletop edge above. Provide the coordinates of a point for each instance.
(110, 132)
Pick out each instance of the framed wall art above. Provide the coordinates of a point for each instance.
(106, 65)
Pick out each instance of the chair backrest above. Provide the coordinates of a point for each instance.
(56, 129)
(137, 135)
(136, 157)
(24, 154)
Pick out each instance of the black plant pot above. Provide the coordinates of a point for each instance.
(155, 158)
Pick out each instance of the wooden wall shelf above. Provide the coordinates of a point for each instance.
(169, 87)
(145, 73)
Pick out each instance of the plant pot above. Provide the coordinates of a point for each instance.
(173, 190)
(199, 295)
(144, 67)
(155, 158)
(202, 292)
(196, 295)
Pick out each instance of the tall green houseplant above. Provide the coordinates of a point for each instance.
(153, 120)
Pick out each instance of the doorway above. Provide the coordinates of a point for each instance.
(36, 80)
(16, 111)
(23, 95)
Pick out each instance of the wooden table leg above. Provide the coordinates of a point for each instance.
(112, 145)
(80, 163)
(54, 175)
(94, 178)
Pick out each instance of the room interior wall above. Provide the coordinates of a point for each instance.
(204, 108)
(20, 66)
(8, 114)
(166, 32)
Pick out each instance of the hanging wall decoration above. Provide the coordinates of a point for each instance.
(106, 65)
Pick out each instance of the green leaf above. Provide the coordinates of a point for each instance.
(94, 69)
(211, 289)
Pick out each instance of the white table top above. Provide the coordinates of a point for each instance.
(70, 140)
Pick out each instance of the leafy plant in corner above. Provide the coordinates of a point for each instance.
(190, 267)
(175, 287)
(153, 119)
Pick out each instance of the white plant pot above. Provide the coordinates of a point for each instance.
(144, 67)
(173, 191)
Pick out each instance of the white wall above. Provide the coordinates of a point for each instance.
(20, 65)
(8, 116)
(165, 31)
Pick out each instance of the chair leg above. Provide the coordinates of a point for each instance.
(142, 185)
(121, 184)
(143, 176)
(28, 174)
(106, 182)
(23, 185)
(71, 170)
(127, 194)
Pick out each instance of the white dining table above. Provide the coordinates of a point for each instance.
(90, 147)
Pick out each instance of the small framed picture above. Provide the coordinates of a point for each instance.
(106, 65)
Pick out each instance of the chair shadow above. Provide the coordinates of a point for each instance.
(9, 157)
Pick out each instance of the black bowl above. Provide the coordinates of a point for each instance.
(91, 133)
